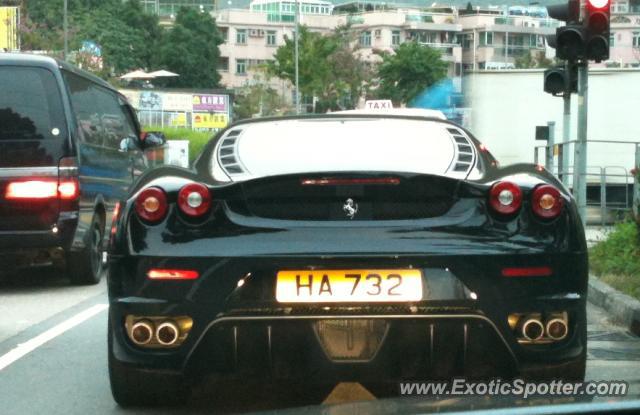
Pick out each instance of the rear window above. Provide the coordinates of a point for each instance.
(30, 104)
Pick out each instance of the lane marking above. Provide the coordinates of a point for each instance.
(24, 348)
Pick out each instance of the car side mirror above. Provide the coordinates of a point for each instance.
(150, 139)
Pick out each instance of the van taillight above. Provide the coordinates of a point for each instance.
(32, 189)
(66, 189)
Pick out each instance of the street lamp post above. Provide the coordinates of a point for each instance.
(295, 39)
(66, 31)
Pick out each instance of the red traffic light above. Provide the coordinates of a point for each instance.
(598, 4)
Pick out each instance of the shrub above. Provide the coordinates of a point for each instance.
(617, 258)
(197, 139)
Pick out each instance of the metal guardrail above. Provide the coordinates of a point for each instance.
(604, 175)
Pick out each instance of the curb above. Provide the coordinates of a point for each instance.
(622, 308)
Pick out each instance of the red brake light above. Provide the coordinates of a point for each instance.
(172, 274)
(194, 199)
(505, 197)
(527, 272)
(546, 201)
(353, 181)
(151, 204)
(32, 189)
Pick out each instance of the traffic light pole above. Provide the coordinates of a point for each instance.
(580, 153)
(563, 159)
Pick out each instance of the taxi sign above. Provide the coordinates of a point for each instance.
(378, 104)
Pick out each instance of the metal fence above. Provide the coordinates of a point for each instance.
(612, 190)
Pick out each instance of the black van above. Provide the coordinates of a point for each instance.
(70, 147)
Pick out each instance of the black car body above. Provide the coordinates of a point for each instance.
(69, 150)
(500, 253)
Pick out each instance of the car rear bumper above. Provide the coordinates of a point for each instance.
(241, 330)
(41, 247)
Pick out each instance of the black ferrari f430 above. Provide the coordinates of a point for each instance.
(344, 247)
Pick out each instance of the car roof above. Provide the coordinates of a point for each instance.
(42, 61)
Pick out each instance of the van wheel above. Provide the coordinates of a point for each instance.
(85, 267)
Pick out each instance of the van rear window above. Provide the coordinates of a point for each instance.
(30, 104)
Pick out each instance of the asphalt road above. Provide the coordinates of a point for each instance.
(53, 357)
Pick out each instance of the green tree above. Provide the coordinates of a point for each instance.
(258, 99)
(409, 71)
(126, 34)
(190, 49)
(528, 60)
(329, 69)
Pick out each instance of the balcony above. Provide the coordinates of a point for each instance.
(445, 48)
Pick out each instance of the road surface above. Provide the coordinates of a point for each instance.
(53, 356)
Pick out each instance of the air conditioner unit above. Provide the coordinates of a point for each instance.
(378, 33)
(256, 33)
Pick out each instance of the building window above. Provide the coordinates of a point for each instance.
(395, 37)
(467, 41)
(612, 39)
(241, 66)
(489, 38)
(271, 37)
(619, 7)
(241, 36)
(636, 39)
(365, 38)
(224, 33)
(223, 64)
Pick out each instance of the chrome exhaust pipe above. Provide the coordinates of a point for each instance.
(532, 329)
(557, 329)
(141, 332)
(167, 333)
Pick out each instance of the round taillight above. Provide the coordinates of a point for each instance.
(546, 201)
(151, 204)
(194, 199)
(505, 197)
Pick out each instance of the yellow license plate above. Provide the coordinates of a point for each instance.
(351, 285)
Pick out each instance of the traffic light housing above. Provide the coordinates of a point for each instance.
(570, 42)
(586, 38)
(597, 28)
(557, 80)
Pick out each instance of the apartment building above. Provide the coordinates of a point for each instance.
(167, 9)
(625, 34)
(251, 36)
(491, 38)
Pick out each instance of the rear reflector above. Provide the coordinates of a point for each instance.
(32, 189)
(172, 274)
(527, 272)
(355, 181)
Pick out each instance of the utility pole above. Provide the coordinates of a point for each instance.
(580, 152)
(549, 153)
(66, 30)
(297, 57)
